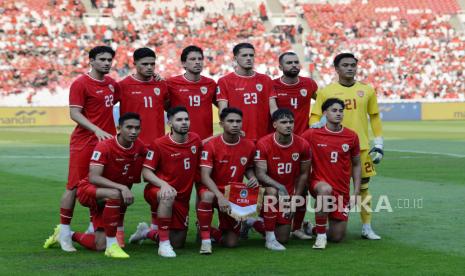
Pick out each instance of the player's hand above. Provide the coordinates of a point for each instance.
(377, 152)
(319, 124)
(252, 183)
(242, 133)
(224, 205)
(282, 191)
(128, 197)
(157, 77)
(354, 199)
(102, 135)
(167, 192)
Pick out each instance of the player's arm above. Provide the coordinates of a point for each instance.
(76, 115)
(96, 178)
(303, 177)
(223, 203)
(316, 120)
(261, 169)
(166, 191)
(222, 104)
(377, 152)
(252, 179)
(273, 105)
(356, 174)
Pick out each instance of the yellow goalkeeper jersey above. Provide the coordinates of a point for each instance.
(360, 101)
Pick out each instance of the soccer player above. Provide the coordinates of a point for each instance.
(295, 93)
(115, 165)
(336, 157)
(91, 99)
(249, 91)
(225, 159)
(360, 102)
(169, 168)
(194, 91)
(282, 164)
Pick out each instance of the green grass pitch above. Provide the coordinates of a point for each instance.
(423, 174)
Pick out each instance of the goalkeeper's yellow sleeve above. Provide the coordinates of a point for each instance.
(375, 121)
(315, 118)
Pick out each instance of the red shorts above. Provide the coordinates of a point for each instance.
(180, 215)
(341, 201)
(226, 222)
(79, 159)
(87, 196)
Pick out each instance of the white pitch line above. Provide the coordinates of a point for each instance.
(428, 152)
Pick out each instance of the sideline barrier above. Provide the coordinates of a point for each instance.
(443, 111)
(34, 116)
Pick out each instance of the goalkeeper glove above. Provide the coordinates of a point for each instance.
(377, 153)
(319, 124)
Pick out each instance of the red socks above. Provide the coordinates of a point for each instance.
(216, 234)
(111, 216)
(66, 215)
(164, 229)
(298, 218)
(86, 240)
(122, 212)
(269, 219)
(321, 221)
(259, 226)
(204, 215)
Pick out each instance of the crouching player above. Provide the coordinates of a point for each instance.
(282, 164)
(225, 159)
(114, 166)
(336, 157)
(169, 168)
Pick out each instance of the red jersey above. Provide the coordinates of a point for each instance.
(332, 156)
(146, 98)
(96, 98)
(251, 95)
(198, 98)
(121, 165)
(283, 162)
(296, 97)
(228, 161)
(175, 163)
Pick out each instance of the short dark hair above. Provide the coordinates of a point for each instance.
(174, 110)
(141, 53)
(189, 49)
(329, 102)
(339, 57)
(281, 56)
(243, 45)
(128, 116)
(99, 50)
(228, 110)
(281, 113)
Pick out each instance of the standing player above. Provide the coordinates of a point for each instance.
(295, 93)
(249, 91)
(142, 94)
(194, 91)
(91, 99)
(336, 156)
(282, 165)
(225, 159)
(170, 167)
(360, 101)
(114, 167)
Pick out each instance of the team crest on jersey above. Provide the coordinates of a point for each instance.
(244, 193)
(112, 89)
(243, 161)
(345, 147)
(204, 155)
(303, 92)
(203, 90)
(96, 155)
(259, 87)
(360, 93)
(295, 156)
(156, 90)
(194, 149)
(149, 155)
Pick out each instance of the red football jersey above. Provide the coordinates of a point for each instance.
(283, 162)
(121, 165)
(198, 98)
(332, 156)
(251, 95)
(175, 163)
(146, 98)
(228, 161)
(296, 97)
(96, 98)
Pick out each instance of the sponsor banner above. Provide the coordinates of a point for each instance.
(34, 116)
(443, 111)
(400, 111)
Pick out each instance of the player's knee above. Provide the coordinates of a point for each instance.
(168, 202)
(100, 241)
(271, 191)
(207, 196)
(113, 194)
(325, 190)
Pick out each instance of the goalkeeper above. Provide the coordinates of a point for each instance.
(360, 102)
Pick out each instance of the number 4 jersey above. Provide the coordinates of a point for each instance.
(332, 156)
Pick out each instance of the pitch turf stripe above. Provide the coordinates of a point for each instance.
(428, 152)
(33, 157)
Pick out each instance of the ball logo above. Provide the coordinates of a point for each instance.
(203, 90)
(243, 161)
(156, 90)
(295, 156)
(112, 89)
(360, 93)
(345, 147)
(194, 149)
(259, 87)
(303, 92)
(244, 193)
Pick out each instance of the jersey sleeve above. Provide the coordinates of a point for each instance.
(77, 95)
(373, 102)
(250, 161)
(261, 152)
(307, 135)
(306, 154)
(355, 151)
(221, 90)
(316, 109)
(313, 87)
(153, 157)
(117, 94)
(207, 158)
(99, 155)
(271, 88)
